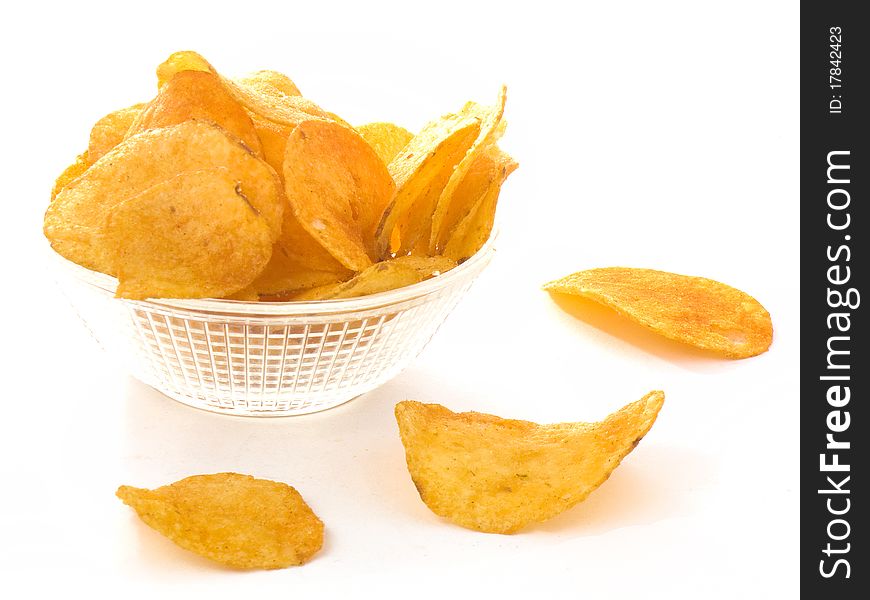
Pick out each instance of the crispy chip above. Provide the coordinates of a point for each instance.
(380, 277)
(193, 236)
(248, 294)
(71, 173)
(693, 310)
(287, 273)
(268, 101)
(338, 188)
(426, 266)
(421, 171)
(499, 475)
(270, 79)
(386, 139)
(479, 192)
(110, 131)
(185, 60)
(75, 220)
(197, 95)
(232, 519)
(450, 207)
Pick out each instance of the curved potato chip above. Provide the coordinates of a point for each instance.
(449, 208)
(380, 277)
(500, 475)
(693, 310)
(248, 294)
(76, 218)
(483, 181)
(286, 274)
(265, 100)
(426, 266)
(386, 139)
(273, 79)
(273, 139)
(185, 60)
(111, 130)
(338, 188)
(193, 236)
(420, 171)
(197, 95)
(71, 173)
(232, 519)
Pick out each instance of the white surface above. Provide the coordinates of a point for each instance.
(658, 134)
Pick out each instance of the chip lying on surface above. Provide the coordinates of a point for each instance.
(339, 201)
(233, 519)
(500, 475)
(693, 310)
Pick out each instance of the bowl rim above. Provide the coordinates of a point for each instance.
(471, 266)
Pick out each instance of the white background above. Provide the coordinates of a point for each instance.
(655, 134)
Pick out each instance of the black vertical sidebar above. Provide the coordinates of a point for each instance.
(835, 302)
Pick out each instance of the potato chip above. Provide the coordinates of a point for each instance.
(420, 171)
(286, 274)
(273, 141)
(197, 95)
(193, 236)
(380, 277)
(483, 181)
(449, 208)
(265, 100)
(693, 310)
(72, 172)
(248, 294)
(426, 266)
(110, 131)
(387, 139)
(75, 220)
(500, 475)
(338, 188)
(270, 79)
(295, 282)
(185, 60)
(232, 519)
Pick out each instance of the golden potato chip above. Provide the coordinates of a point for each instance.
(426, 266)
(483, 181)
(272, 79)
(273, 141)
(500, 475)
(248, 294)
(197, 95)
(693, 310)
(195, 235)
(286, 274)
(296, 282)
(386, 139)
(421, 171)
(450, 208)
(380, 277)
(268, 101)
(74, 222)
(338, 188)
(72, 172)
(232, 519)
(185, 60)
(110, 131)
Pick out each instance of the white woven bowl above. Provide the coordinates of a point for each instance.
(266, 358)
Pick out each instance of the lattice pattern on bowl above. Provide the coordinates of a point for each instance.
(266, 359)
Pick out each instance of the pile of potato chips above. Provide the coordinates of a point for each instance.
(244, 189)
